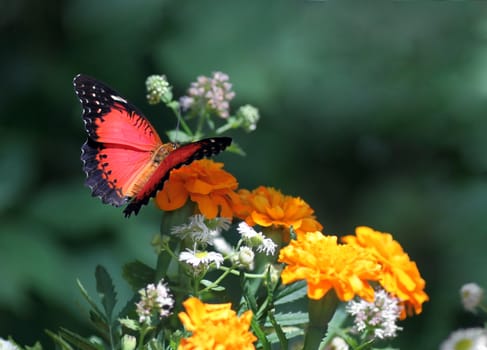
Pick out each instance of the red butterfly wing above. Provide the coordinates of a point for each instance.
(175, 159)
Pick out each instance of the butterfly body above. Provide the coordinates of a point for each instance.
(124, 159)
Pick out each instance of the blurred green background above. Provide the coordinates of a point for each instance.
(375, 113)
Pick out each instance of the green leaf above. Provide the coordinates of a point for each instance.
(290, 333)
(100, 324)
(129, 307)
(129, 323)
(335, 326)
(78, 341)
(235, 148)
(290, 318)
(36, 346)
(290, 293)
(138, 275)
(283, 344)
(94, 308)
(260, 334)
(154, 344)
(63, 344)
(106, 290)
(207, 283)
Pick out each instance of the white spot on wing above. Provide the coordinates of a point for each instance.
(118, 98)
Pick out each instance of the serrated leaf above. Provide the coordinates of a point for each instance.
(106, 290)
(290, 333)
(94, 307)
(129, 323)
(290, 293)
(138, 275)
(78, 341)
(100, 324)
(129, 307)
(290, 318)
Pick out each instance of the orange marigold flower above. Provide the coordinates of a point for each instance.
(215, 326)
(266, 206)
(400, 276)
(204, 182)
(326, 265)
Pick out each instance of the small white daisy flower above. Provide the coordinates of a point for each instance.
(201, 230)
(196, 230)
(472, 295)
(199, 259)
(256, 239)
(378, 317)
(7, 345)
(466, 339)
(154, 299)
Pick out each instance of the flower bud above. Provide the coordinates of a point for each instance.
(472, 294)
(128, 342)
(158, 89)
(248, 116)
(246, 257)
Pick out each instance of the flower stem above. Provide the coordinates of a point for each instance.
(320, 313)
(176, 108)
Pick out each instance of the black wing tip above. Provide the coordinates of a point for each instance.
(132, 208)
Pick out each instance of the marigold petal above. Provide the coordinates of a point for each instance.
(172, 197)
(205, 205)
(198, 186)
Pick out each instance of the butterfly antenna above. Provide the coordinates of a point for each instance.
(177, 127)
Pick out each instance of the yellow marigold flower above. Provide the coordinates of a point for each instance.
(266, 206)
(326, 265)
(204, 182)
(215, 326)
(400, 276)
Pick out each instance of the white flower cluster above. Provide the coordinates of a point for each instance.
(378, 317)
(154, 299)
(215, 93)
(203, 231)
(256, 239)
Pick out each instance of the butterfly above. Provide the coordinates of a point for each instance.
(124, 159)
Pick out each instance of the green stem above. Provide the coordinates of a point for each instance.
(247, 275)
(177, 111)
(217, 281)
(201, 120)
(320, 313)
